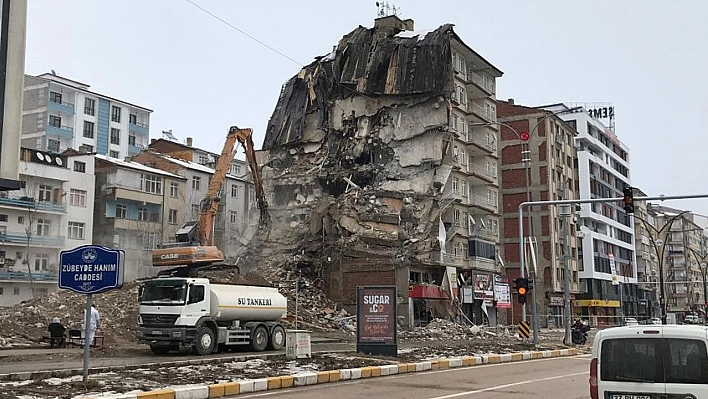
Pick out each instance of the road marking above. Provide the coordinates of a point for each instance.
(455, 395)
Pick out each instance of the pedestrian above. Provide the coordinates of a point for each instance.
(57, 339)
(93, 324)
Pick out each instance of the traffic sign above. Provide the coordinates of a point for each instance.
(91, 269)
(524, 329)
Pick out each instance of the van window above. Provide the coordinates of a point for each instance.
(659, 360)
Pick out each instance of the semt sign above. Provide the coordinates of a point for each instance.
(91, 269)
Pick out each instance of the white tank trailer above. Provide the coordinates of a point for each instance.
(191, 312)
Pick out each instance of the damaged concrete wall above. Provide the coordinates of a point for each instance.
(352, 161)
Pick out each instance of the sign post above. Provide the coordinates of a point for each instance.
(376, 320)
(88, 270)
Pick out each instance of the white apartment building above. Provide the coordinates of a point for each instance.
(608, 247)
(52, 212)
(60, 113)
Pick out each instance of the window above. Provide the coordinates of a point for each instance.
(121, 211)
(76, 230)
(54, 120)
(151, 183)
(1, 290)
(88, 129)
(45, 193)
(79, 167)
(174, 190)
(195, 211)
(77, 197)
(115, 114)
(203, 160)
(16, 291)
(233, 216)
(55, 97)
(114, 154)
(464, 188)
(43, 227)
(53, 145)
(89, 148)
(235, 169)
(20, 220)
(142, 214)
(196, 182)
(456, 216)
(89, 106)
(115, 136)
(455, 182)
(131, 140)
(172, 216)
(133, 119)
(3, 218)
(234, 191)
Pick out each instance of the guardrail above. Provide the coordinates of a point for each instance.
(31, 204)
(25, 276)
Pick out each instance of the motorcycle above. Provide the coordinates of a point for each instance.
(579, 335)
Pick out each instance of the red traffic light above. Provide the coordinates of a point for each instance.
(524, 136)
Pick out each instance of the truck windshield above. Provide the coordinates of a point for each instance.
(163, 293)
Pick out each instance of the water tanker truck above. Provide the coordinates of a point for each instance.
(185, 312)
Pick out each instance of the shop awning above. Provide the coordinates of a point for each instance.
(595, 303)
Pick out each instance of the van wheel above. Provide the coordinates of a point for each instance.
(277, 338)
(204, 341)
(259, 339)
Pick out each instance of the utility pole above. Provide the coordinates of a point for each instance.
(565, 211)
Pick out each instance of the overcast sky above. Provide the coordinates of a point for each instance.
(200, 75)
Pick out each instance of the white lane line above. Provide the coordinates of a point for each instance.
(455, 395)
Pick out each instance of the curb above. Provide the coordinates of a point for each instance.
(324, 377)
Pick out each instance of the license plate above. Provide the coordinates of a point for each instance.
(156, 333)
(623, 396)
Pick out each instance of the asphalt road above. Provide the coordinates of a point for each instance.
(557, 378)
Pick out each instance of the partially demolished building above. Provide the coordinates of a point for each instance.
(380, 165)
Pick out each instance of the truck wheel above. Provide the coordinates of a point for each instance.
(277, 338)
(204, 341)
(160, 350)
(259, 339)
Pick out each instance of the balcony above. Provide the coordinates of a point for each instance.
(482, 202)
(35, 240)
(485, 86)
(481, 173)
(135, 149)
(477, 109)
(134, 224)
(66, 132)
(63, 107)
(478, 263)
(447, 259)
(30, 203)
(24, 276)
(480, 144)
(139, 128)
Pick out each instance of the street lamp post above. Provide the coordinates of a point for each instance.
(656, 243)
(524, 138)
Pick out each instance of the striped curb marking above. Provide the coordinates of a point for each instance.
(325, 377)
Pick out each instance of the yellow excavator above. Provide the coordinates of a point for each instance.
(194, 248)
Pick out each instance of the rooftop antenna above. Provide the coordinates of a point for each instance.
(385, 9)
(168, 134)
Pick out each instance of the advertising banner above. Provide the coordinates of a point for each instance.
(376, 320)
(502, 291)
(483, 286)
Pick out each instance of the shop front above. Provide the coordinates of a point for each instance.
(598, 312)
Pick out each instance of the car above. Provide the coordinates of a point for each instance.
(690, 319)
(654, 321)
(649, 361)
(630, 321)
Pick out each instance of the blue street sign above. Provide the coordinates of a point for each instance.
(91, 269)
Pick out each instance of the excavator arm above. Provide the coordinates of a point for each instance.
(244, 137)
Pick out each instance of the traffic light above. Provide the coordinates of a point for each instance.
(628, 199)
(522, 288)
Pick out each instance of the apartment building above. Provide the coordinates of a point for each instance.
(645, 235)
(608, 263)
(234, 210)
(133, 210)
(53, 211)
(538, 163)
(60, 113)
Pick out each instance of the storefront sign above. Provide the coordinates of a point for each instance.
(502, 291)
(483, 286)
(556, 300)
(467, 295)
(376, 320)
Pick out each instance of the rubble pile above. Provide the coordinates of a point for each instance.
(26, 323)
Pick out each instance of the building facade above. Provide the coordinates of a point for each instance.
(132, 200)
(608, 262)
(645, 228)
(52, 212)
(60, 113)
(538, 164)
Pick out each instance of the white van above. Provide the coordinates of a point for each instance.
(650, 362)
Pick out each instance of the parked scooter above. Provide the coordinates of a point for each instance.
(579, 333)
